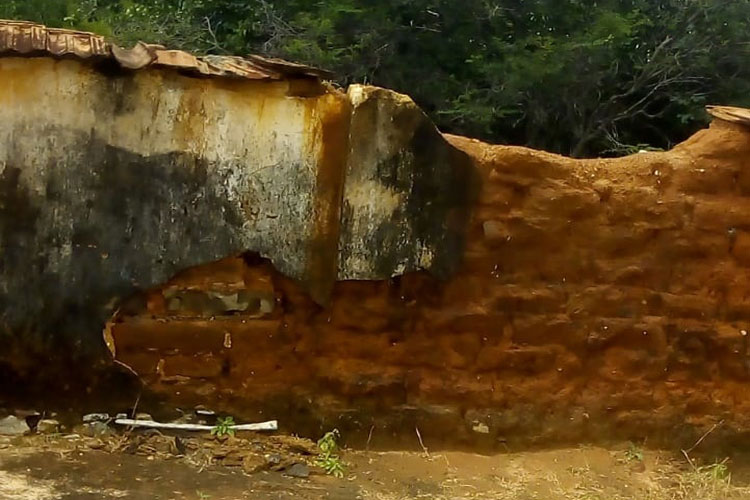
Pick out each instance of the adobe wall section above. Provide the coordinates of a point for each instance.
(579, 299)
(596, 299)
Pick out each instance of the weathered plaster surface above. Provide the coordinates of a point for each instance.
(408, 194)
(111, 181)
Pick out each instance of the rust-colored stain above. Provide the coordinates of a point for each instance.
(22, 38)
(332, 135)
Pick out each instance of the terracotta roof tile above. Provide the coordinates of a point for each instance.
(730, 114)
(30, 39)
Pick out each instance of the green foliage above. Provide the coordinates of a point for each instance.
(223, 427)
(718, 472)
(328, 458)
(567, 76)
(634, 453)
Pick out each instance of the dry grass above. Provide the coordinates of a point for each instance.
(20, 487)
(658, 477)
(711, 482)
(669, 483)
(568, 474)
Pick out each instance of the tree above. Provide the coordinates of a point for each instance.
(571, 76)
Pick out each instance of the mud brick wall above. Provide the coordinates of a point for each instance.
(596, 299)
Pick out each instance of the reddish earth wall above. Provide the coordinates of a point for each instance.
(597, 299)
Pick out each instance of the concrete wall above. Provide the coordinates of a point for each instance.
(111, 181)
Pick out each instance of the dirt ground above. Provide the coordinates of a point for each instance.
(141, 466)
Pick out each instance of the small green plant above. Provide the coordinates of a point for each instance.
(223, 427)
(716, 472)
(328, 458)
(202, 495)
(634, 453)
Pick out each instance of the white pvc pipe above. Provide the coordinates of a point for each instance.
(271, 425)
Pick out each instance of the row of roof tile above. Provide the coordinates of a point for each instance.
(21, 38)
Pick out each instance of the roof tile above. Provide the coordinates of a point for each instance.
(30, 39)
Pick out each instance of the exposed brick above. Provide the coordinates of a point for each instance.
(688, 306)
(542, 329)
(595, 298)
(609, 301)
(196, 366)
(517, 299)
(722, 214)
(741, 247)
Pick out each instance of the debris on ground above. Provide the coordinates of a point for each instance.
(94, 429)
(148, 465)
(298, 470)
(251, 453)
(30, 416)
(13, 426)
(48, 426)
(96, 417)
(202, 411)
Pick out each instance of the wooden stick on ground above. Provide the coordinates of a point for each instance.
(271, 425)
(421, 443)
(705, 435)
(687, 452)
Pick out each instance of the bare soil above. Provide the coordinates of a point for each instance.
(141, 466)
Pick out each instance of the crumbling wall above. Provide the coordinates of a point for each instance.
(112, 180)
(596, 299)
(278, 246)
(407, 194)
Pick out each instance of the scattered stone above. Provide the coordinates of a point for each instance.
(297, 444)
(298, 470)
(26, 413)
(121, 415)
(253, 463)
(143, 416)
(638, 466)
(185, 418)
(273, 459)
(234, 458)
(48, 426)
(95, 444)
(30, 416)
(95, 429)
(205, 416)
(199, 410)
(13, 426)
(96, 417)
(131, 448)
(178, 446)
(481, 428)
